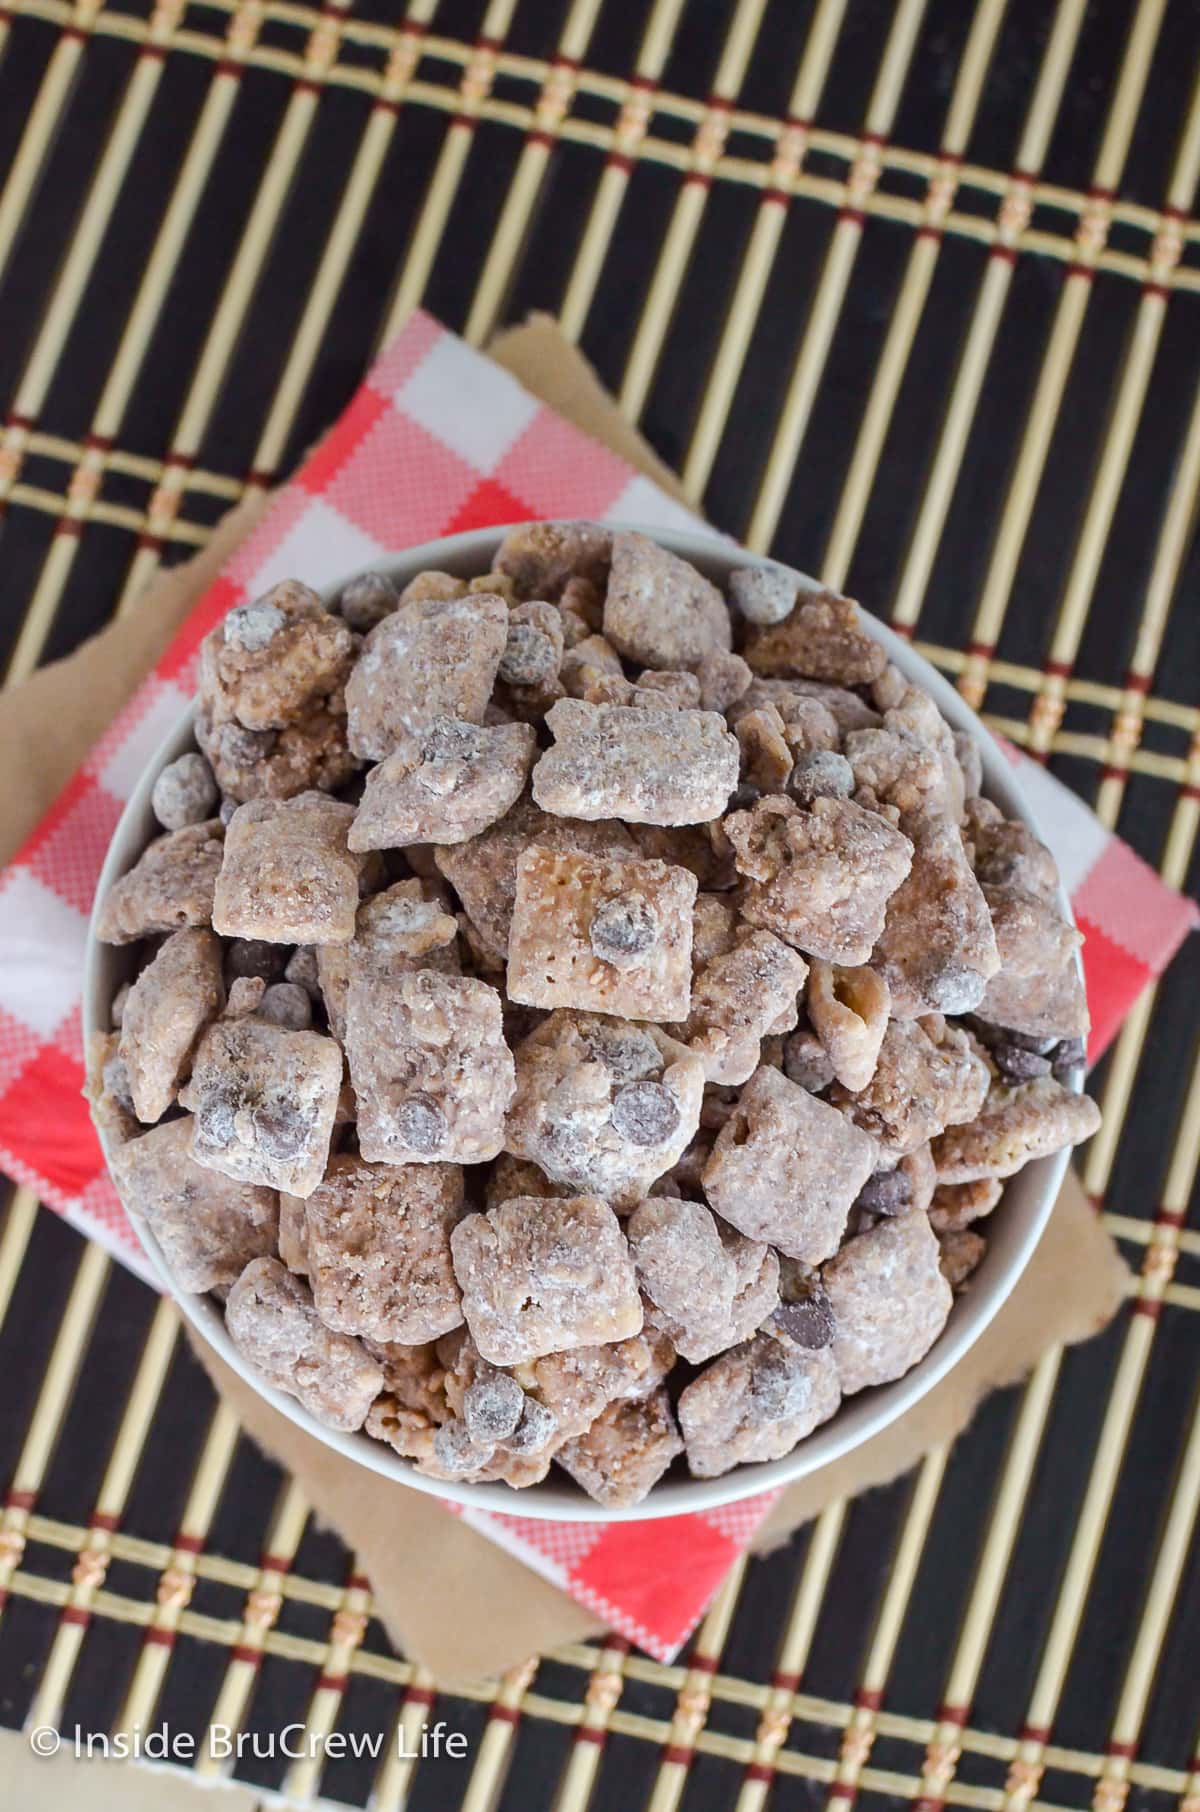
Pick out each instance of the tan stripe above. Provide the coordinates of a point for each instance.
(478, 75)
(178, 1569)
(318, 310)
(600, 1699)
(792, 1659)
(676, 249)
(393, 1783)
(809, 364)
(18, 1226)
(89, 1570)
(491, 1758)
(262, 1608)
(302, 1781)
(258, 234)
(626, 141)
(1010, 223)
(695, 1693)
(910, 304)
(553, 105)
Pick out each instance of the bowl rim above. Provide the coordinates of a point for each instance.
(860, 1417)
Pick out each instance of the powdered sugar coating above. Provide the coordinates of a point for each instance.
(272, 1322)
(444, 785)
(1014, 1126)
(269, 663)
(431, 1071)
(170, 886)
(264, 1101)
(431, 658)
(645, 766)
(928, 1076)
(209, 1228)
(823, 639)
(541, 1276)
(890, 1301)
(937, 950)
(377, 1249)
(612, 934)
(658, 609)
(738, 996)
(176, 995)
(288, 876)
(710, 1287)
(572, 1072)
(786, 1167)
(625, 1451)
(755, 1403)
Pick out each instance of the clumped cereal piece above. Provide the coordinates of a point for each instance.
(245, 996)
(511, 1176)
(602, 1105)
(278, 764)
(272, 1322)
(431, 1071)
(208, 1227)
(367, 599)
(957, 1205)
(184, 793)
(176, 995)
(756, 1402)
(970, 762)
(586, 664)
(901, 771)
(483, 871)
(709, 1286)
(412, 1406)
(795, 700)
(574, 1387)
(823, 639)
(625, 1451)
(120, 1000)
(961, 1254)
(738, 996)
(1007, 854)
(849, 1011)
(444, 785)
(786, 1167)
(377, 1249)
(647, 766)
(667, 686)
(723, 678)
(286, 1004)
(889, 688)
(806, 1061)
(532, 656)
(288, 876)
(170, 886)
(820, 774)
(766, 757)
(890, 1301)
(293, 1234)
(106, 1089)
(928, 1076)
(268, 664)
(542, 1276)
(543, 558)
(1015, 1126)
(658, 609)
(765, 594)
(608, 933)
(431, 658)
(917, 719)
(1037, 990)
(264, 1101)
(819, 879)
(433, 584)
(937, 950)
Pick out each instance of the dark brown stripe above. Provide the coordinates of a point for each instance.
(74, 1613)
(760, 1771)
(420, 1695)
(161, 1638)
(868, 1698)
(590, 1733)
(188, 1544)
(333, 1682)
(673, 1752)
(20, 1500)
(1004, 253)
(505, 1714)
(1156, 289)
(242, 1652)
(1057, 669)
(103, 1519)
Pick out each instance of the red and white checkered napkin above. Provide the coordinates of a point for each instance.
(438, 439)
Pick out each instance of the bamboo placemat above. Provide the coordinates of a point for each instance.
(909, 291)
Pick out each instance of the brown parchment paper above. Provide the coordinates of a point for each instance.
(448, 1597)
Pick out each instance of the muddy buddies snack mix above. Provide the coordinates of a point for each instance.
(579, 1016)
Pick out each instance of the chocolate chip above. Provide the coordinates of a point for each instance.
(421, 1124)
(805, 1061)
(779, 1386)
(645, 1113)
(1018, 1065)
(820, 774)
(537, 1426)
(251, 956)
(456, 1452)
(493, 1406)
(279, 1129)
(623, 927)
(887, 1192)
(367, 599)
(530, 657)
(1068, 1057)
(809, 1320)
(286, 1004)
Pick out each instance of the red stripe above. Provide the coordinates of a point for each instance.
(1190, 791)
(617, 160)
(682, 1757)
(719, 103)
(188, 1544)
(152, 53)
(843, 1790)
(930, 232)
(760, 1771)
(70, 527)
(161, 1638)
(150, 544)
(780, 197)
(260, 475)
(15, 420)
(952, 1714)
(73, 1613)
(1157, 289)
(797, 124)
(99, 443)
(1081, 270)
(275, 1563)
(588, 1733)
(483, 42)
(983, 650)
(305, 85)
(854, 214)
(902, 629)
(1137, 682)
(1034, 1733)
(102, 1519)
(420, 1695)
(333, 1682)
(464, 120)
(1123, 1751)
(240, 1652)
(869, 1698)
(785, 1682)
(1057, 669)
(358, 1582)
(1096, 193)
(702, 1664)
(541, 137)
(697, 179)
(1170, 1217)
(1007, 256)
(20, 1500)
(1148, 1307)
(228, 66)
(506, 1714)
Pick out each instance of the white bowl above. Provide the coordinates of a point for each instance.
(1014, 1228)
